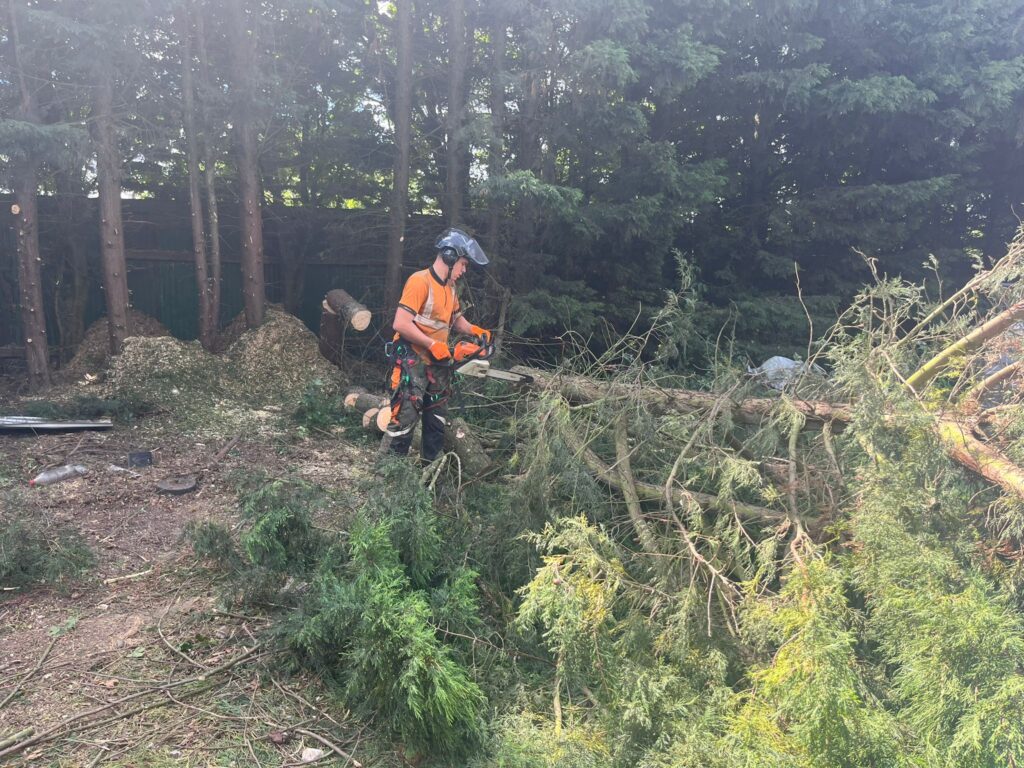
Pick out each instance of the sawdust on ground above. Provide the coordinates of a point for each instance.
(256, 383)
(93, 354)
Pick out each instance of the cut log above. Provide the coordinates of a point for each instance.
(330, 337)
(376, 419)
(472, 455)
(383, 418)
(581, 389)
(370, 419)
(339, 302)
(364, 401)
(458, 439)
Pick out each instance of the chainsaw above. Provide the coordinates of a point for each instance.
(472, 358)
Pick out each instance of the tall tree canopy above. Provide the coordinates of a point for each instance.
(590, 144)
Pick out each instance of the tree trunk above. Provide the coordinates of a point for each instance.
(206, 321)
(30, 286)
(496, 151)
(33, 317)
(209, 175)
(754, 410)
(460, 439)
(456, 78)
(400, 191)
(364, 401)
(108, 180)
(73, 293)
(243, 57)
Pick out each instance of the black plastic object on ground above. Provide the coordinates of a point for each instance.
(140, 459)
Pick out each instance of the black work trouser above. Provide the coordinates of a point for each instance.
(419, 393)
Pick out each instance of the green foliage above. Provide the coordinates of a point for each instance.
(212, 542)
(35, 550)
(812, 704)
(371, 610)
(318, 408)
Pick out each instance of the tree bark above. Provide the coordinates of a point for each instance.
(74, 297)
(33, 316)
(496, 150)
(341, 303)
(983, 459)
(209, 175)
(580, 389)
(456, 79)
(207, 326)
(403, 129)
(472, 455)
(364, 401)
(108, 180)
(243, 57)
(920, 379)
(30, 287)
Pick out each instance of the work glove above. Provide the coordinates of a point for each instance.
(480, 333)
(439, 351)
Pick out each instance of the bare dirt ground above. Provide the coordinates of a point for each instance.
(136, 664)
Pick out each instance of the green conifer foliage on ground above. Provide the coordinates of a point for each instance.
(372, 611)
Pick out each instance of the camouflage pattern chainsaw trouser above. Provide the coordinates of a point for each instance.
(419, 392)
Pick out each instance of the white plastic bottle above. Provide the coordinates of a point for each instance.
(57, 474)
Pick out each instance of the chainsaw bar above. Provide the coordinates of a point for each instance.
(481, 369)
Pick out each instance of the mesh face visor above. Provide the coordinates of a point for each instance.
(463, 245)
(475, 253)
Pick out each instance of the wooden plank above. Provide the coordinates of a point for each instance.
(36, 423)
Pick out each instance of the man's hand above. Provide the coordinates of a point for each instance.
(481, 333)
(439, 351)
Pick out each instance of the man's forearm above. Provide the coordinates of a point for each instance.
(406, 328)
(462, 325)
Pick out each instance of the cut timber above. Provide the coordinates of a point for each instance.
(370, 418)
(364, 401)
(460, 439)
(376, 419)
(383, 418)
(36, 423)
(339, 302)
(581, 389)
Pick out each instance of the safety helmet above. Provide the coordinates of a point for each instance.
(454, 244)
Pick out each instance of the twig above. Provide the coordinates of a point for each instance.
(15, 737)
(75, 449)
(31, 672)
(129, 576)
(625, 473)
(176, 651)
(302, 700)
(44, 735)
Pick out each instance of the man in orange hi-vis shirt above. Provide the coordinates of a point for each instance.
(421, 360)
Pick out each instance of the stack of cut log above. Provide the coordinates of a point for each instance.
(340, 311)
(458, 437)
(375, 409)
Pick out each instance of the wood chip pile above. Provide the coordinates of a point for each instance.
(270, 366)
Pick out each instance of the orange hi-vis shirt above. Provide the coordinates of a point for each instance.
(434, 306)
